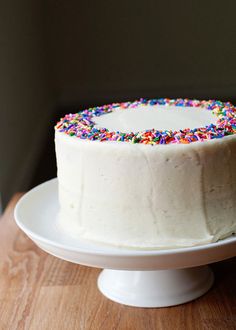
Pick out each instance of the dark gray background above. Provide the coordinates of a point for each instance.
(62, 56)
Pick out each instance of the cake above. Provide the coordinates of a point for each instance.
(148, 174)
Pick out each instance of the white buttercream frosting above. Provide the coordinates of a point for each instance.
(158, 117)
(143, 196)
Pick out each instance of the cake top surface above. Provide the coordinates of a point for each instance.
(155, 121)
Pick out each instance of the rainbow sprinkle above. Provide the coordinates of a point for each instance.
(81, 124)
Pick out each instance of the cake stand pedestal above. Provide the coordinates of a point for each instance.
(155, 288)
(151, 278)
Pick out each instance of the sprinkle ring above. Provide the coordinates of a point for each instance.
(82, 125)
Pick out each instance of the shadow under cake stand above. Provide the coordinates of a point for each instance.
(150, 278)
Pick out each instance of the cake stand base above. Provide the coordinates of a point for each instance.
(157, 288)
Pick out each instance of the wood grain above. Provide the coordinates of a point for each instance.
(39, 291)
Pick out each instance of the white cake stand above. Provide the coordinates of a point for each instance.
(152, 278)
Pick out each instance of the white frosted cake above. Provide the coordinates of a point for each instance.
(148, 174)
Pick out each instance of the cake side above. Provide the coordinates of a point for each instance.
(144, 197)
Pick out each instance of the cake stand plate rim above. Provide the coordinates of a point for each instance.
(46, 192)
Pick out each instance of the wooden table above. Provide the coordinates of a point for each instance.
(39, 291)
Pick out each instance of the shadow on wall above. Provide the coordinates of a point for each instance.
(25, 93)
